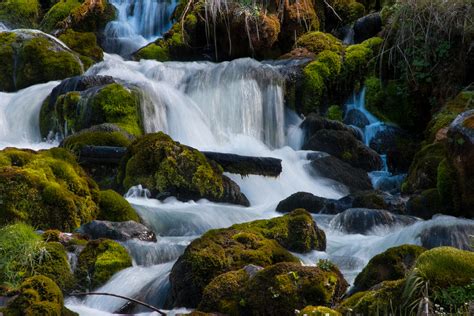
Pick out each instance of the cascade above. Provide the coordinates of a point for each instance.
(138, 23)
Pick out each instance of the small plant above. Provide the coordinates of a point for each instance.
(325, 265)
(335, 113)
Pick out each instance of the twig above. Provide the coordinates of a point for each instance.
(332, 9)
(122, 297)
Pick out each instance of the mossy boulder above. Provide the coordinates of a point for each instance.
(47, 189)
(72, 111)
(113, 207)
(30, 58)
(23, 254)
(392, 264)
(318, 311)
(99, 261)
(105, 134)
(317, 42)
(279, 289)
(166, 167)
(85, 44)
(57, 13)
(224, 250)
(38, 295)
(20, 13)
(426, 204)
(384, 298)
(445, 266)
(348, 11)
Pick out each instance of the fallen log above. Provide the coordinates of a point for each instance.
(243, 165)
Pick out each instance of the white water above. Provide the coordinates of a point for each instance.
(138, 23)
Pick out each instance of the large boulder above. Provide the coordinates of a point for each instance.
(260, 243)
(113, 207)
(166, 167)
(30, 57)
(331, 167)
(392, 264)
(46, 189)
(357, 118)
(121, 231)
(314, 123)
(70, 109)
(363, 221)
(307, 201)
(379, 200)
(276, 290)
(20, 13)
(346, 147)
(99, 261)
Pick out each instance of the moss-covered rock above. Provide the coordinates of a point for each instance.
(426, 204)
(20, 13)
(295, 231)
(38, 295)
(423, 171)
(156, 51)
(165, 166)
(99, 261)
(57, 13)
(74, 111)
(85, 44)
(392, 264)
(318, 311)
(259, 243)
(347, 10)
(317, 42)
(279, 289)
(445, 266)
(89, 16)
(383, 299)
(113, 207)
(47, 189)
(29, 58)
(98, 135)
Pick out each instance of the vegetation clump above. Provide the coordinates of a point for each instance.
(113, 207)
(20, 13)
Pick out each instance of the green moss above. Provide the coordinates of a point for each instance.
(424, 168)
(58, 13)
(335, 113)
(7, 55)
(55, 265)
(393, 264)
(76, 111)
(285, 287)
(162, 165)
(225, 293)
(39, 295)
(447, 185)
(95, 138)
(99, 260)
(153, 51)
(47, 189)
(118, 105)
(83, 43)
(318, 76)
(295, 231)
(316, 42)
(383, 300)
(20, 13)
(318, 311)
(113, 207)
(42, 61)
(92, 15)
(446, 266)
(348, 10)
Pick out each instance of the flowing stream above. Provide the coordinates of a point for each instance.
(235, 107)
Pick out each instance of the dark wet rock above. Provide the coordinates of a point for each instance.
(121, 231)
(363, 220)
(367, 27)
(333, 168)
(232, 193)
(379, 200)
(357, 118)
(343, 145)
(389, 183)
(313, 123)
(386, 139)
(425, 204)
(305, 200)
(252, 270)
(457, 235)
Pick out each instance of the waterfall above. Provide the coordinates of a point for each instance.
(138, 23)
